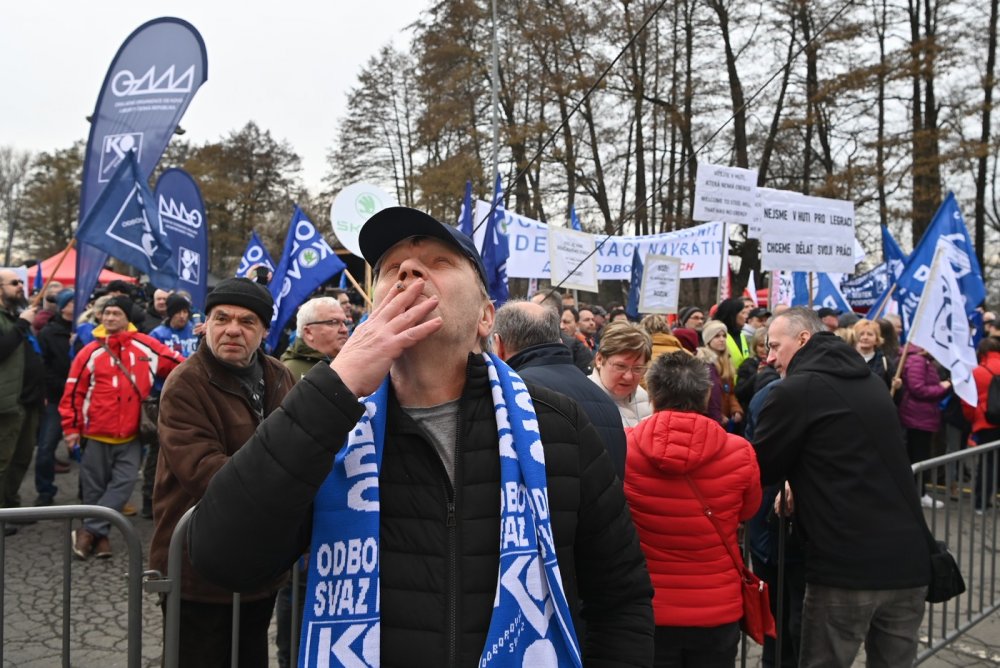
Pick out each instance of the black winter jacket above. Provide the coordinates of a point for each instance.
(831, 428)
(54, 342)
(438, 575)
(551, 365)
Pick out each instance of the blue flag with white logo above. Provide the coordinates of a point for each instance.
(182, 220)
(39, 279)
(574, 220)
(465, 217)
(306, 263)
(148, 87)
(825, 292)
(254, 256)
(947, 230)
(496, 251)
(864, 290)
(124, 223)
(892, 254)
(634, 286)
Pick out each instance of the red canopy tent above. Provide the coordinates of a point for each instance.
(67, 271)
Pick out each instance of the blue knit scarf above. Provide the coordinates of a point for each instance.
(531, 623)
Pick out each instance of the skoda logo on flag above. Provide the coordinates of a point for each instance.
(309, 258)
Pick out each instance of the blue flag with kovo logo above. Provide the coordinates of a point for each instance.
(496, 251)
(124, 223)
(148, 87)
(635, 286)
(254, 256)
(826, 294)
(947, 230)
(574, 220)
(306, 263)
(182, 220)
(465, 216)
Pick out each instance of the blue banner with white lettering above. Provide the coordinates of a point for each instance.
(948, 231)
(306, 263)
(124, 223)
(254, 256)
(864, 290)
(182, 220)
(146, 91)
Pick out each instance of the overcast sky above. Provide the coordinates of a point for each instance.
(285, 64)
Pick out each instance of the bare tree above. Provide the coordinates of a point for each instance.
(14, 165)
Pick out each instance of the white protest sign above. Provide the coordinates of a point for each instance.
(699, 249)
(803, 233)
(352, 207)
(572, 260)
(724, 193)
(661, 284)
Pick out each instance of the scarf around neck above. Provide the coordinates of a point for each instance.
(531, 623)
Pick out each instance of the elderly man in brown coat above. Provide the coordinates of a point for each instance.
(209, 408)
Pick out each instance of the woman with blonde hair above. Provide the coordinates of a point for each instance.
(722, 405)
(621, 362)
(868, 343)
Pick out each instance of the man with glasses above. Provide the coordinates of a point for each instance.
(210, 406)
(22, 389)
(321, 331)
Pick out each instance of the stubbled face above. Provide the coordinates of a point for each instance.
(782, 344)
(587, 323)
(620, 373)
(114, 319)
(465, 311)
(233, 334)
(327, 333)
(11, 289)
(695, 321)
(567, 323)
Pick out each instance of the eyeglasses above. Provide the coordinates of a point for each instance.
(336, 323)
(636, 370)
(16, 281)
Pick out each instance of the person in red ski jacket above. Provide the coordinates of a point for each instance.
(100, 409)
(983, 431)
(698, 600)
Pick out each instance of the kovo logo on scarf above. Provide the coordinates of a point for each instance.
(126, 84)
(347, 568)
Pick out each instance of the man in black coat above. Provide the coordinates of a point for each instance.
(526, 336)
(436, 487)
(54, 344)
(831, 429)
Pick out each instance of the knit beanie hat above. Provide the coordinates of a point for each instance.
(122, 302)
(711, 330)
(687, 337)
(686, 313)
(242, 292)
(64, 297)
(176, 304)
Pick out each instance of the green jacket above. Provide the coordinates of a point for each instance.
(12, 366)
(299, 358)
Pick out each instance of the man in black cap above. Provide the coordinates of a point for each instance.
(101, 405)
(413, 562)
(829, 317)
(208, 409)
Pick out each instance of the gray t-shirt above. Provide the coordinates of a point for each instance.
(440, 423)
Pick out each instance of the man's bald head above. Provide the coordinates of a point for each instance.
(521, 324)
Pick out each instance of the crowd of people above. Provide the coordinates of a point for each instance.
(627, 455)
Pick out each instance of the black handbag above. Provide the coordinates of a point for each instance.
(946, 578)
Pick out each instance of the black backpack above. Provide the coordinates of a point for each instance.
(993, 401)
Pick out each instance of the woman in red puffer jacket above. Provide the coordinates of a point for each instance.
(983, 431)
(698, 600)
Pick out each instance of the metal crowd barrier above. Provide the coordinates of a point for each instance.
(133, 576)
(971, 535)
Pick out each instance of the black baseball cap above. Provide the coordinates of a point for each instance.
(759, 312)
(825, 312)
(390, 226)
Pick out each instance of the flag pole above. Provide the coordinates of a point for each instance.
(722, 260)
(357, 286)
(37, 297)
(916, 318)
(810, 289)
